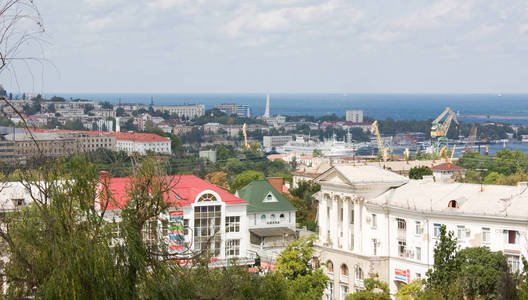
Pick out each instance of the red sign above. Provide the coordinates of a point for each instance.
(402, 275)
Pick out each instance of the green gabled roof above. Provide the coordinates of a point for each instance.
(255, 192)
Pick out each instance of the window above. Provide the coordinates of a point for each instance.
(511, 236)
(486, 235)
(418, 276)
(359, 273)
(461, 232)
(419, 228)
(453, 204)
(374, 221)
(344, 291)
(418, 253)
(402, 225)
(272, 217)
(207, 198)
(344, 270)
(341, 215)
(513, 261)
(207, 228)
(330, 266)
(352, 217)
(263, 218)
(401, 248)
(232, 224)
(281, 217)
(232, 248)
(436, 230)
(374, 246)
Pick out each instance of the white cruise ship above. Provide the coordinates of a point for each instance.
(329, 148)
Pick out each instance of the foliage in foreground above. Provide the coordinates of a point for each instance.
(66, 246)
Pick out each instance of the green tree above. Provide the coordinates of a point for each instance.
(479, 270)
(410, 291)
(243, 179)
(296, 264)
(374, 290)
(443, 276)
(317, 153)
(419, 172)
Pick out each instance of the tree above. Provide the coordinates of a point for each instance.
(410, 291)
(218, 178)
(296, 263)
(120, 112)
(442, 277)
(88, 108)
(243, 179)
(419, 172)
(374, 290)
(106, 105)
(317, 153)
(479, 270)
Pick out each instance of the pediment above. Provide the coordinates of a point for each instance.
(333, 177)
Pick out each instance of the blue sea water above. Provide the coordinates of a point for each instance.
(378, 106)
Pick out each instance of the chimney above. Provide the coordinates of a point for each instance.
(276, 182)
(521, 187)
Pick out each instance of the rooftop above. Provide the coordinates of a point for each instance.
(183, 191)
(255, 193)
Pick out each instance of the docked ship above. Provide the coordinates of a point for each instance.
(329, 148)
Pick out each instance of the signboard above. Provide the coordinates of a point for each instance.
(402, 275)
(176, 230)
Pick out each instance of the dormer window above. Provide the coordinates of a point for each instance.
(270, 198)
(207, 198)
(453, 204)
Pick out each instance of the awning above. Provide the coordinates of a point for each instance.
(275, 231)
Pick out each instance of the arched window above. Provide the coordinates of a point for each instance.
(344, 270)
(272, 216)
(330, 266)
(207, 198)
(453, 204)
(269, 197)
(263, 217)
(281, 216)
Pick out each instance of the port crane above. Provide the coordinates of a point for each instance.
(382, 150)
(439, 129)
(472, 137)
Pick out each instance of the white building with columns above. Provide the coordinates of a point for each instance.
(375, 221)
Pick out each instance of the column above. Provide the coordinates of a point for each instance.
(334, 234)
(323, 218)
(357, 227)
(346, 224)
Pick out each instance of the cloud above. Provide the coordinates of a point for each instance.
(439, 13)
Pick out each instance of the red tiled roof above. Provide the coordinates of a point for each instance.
(126, 136)
(184, 190)
(447, 167)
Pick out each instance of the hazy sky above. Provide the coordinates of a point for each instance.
(374, 46)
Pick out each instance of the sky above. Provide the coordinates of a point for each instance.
(281, 46)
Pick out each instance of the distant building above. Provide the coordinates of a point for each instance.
(188, 111)
(243, 111)
(269, 142)
(182, 129)
(228, 108)
(444, 172)
(208, 154)
(142, 143)
(105, 113)
(267, 111)
(355, 116)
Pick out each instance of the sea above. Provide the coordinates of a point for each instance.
(479, 108)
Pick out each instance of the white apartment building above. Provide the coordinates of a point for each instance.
(355, 116)
(375, 221)
(189, 111)
(269, 142)
(142, 143)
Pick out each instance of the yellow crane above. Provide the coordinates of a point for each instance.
(382, 151)
(443, 152)
(244, 132)
(439, 129)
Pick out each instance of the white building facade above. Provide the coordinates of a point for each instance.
(374, 221)
(189, 111)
